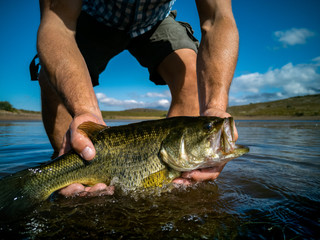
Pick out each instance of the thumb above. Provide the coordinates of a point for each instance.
(88, 153)
(80, 142)
(82, 145)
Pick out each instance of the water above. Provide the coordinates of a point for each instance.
(271, 193)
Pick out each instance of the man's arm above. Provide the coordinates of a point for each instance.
(66, 69)
(217, 57)
(216, 62)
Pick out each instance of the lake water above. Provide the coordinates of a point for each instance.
(273, 192)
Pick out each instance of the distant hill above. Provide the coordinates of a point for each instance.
(6, 106)
(8, 112)
(291, 107)
(135, 113)
(296, 107)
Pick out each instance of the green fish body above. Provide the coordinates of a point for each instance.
(138, 155)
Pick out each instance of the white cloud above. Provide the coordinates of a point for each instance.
(287, 81)
(131, 103)
(165, 94)
(102, 98)
(317, 60)
(165, 103)
(293, 36)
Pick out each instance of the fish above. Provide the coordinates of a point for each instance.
(140, 155)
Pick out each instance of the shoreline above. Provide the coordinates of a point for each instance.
(9, 116)
(293, 118)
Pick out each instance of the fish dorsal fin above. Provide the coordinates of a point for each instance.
(91, 129)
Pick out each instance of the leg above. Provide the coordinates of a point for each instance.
(178, 70)
(55, 117)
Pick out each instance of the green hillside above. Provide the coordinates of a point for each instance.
(135, 113)
(296, 107)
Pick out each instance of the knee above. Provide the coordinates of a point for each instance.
(179, 71)
(184, 83)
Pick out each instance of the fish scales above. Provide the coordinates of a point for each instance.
(139, 155)
(130, 161)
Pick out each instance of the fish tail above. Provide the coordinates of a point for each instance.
(14, 197)
(23, 190)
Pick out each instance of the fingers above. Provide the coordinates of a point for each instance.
(182, 181)
(77, 189)
(72, 190)
(99, 189)
(199, 175)
(73, 139)
(76, 140)
(235, 132)
(81, 144)
(205, 174)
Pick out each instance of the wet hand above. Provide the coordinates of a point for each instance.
(199, 175)
(77, 189)
(73, 139)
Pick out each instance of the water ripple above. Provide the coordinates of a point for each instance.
(270, 193)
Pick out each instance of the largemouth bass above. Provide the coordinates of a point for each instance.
(138, 155)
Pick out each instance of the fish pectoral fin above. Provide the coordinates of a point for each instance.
(155, 179)
(160, 178)
(91, 129)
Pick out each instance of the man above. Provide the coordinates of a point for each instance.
(76, 39)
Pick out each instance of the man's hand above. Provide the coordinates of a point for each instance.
(199, 175)
(73, 139)
(206, 174)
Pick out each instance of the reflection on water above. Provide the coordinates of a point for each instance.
(270, 193)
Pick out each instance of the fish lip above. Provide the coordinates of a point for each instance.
(215, 141)
(228, 135)
(223, 140)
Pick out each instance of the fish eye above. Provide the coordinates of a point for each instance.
(208, 126)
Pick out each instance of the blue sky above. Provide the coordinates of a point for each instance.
(279, 56)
